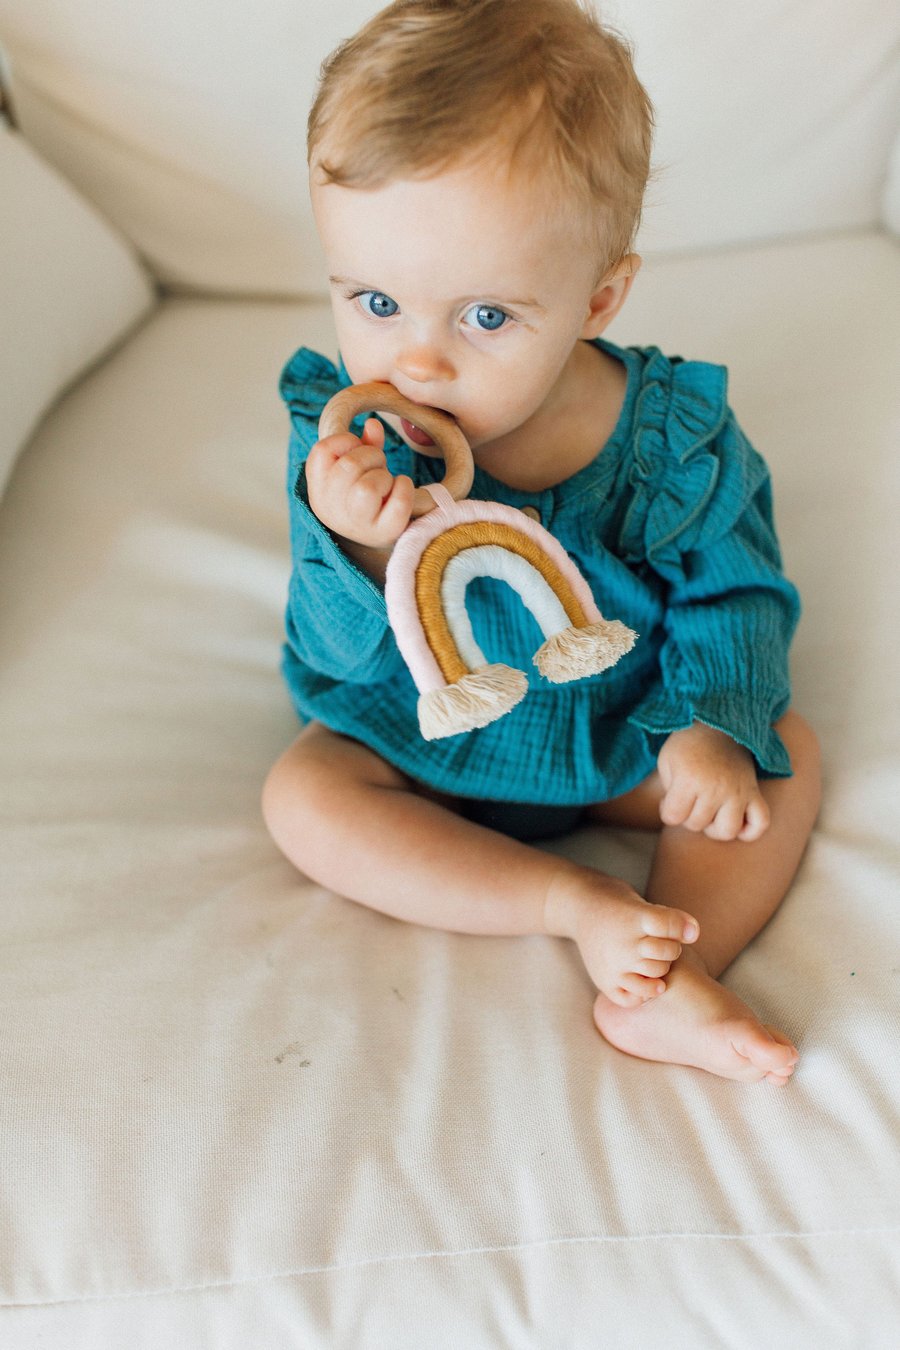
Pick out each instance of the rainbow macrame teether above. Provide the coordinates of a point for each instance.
(449, 543)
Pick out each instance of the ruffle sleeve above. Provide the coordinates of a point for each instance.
(701, 518)
(681, 410)
(336, 618)
(306, 384)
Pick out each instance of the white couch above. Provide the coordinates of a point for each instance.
(238, 1111)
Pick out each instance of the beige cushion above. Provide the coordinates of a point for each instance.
(892, 190)
(70, 288)
(238, 1111)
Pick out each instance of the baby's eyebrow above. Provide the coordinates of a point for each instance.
(528, 303)
(349, 281)
(524, 304)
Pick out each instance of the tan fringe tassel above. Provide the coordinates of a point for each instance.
(575, 652)
(477, 699)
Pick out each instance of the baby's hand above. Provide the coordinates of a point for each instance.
(353, 492)
(710, 785)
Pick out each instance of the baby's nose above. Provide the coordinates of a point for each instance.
(424, 363)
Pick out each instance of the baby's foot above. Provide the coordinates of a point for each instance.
(626, 943)
(700, 1023)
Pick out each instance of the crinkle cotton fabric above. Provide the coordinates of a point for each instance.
(672, 526)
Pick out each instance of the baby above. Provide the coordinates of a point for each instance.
(477, 169)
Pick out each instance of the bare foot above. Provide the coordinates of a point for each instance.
(627, 944)
(701, 1023)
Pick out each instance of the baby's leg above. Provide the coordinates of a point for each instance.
(355, 824)
(733, 888)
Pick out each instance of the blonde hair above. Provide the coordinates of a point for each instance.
(426, 84)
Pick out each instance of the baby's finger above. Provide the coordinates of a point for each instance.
(368, 493)
(360, 459)
(396, 508)
(727, 821)
(677, 804)
(338, 459)
(330, 448)
(703, 814)
(323, 457)
(757, 819)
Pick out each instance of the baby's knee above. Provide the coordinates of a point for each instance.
(274, 802)
(295, 798)
(312, 788)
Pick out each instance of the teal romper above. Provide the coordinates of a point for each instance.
(671, 525)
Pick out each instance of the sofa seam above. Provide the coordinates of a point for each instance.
(501, 1249)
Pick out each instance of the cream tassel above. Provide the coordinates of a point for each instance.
(473, 701)
(575, 652)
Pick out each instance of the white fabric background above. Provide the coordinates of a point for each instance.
(238, 1110)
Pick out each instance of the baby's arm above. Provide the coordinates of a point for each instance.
(730, 615)
(337, 624)
(710, 785)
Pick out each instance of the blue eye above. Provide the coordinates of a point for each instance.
(378, 304)
(487, 317)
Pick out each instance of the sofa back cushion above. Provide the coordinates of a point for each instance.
(184, 120)
(70, 288)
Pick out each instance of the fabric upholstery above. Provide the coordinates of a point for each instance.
(70, 288)
(238, 1110)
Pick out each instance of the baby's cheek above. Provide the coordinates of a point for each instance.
(496, 414)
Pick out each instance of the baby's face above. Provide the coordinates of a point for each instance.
(461, 290)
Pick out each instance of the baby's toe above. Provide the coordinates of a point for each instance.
(653, 969)
(787, 1053)
(767, 1050)
(781, 1075)
(658, 949)
(622, 998)
(661, 922)
(641, 985)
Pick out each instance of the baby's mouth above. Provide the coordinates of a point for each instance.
(415, 434)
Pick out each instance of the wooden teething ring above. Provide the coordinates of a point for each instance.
(340, 411)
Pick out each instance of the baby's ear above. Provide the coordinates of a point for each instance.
(610, 295)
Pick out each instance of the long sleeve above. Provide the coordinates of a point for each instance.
(336, 621)
(730, 611)
(728, 627)
(336, 617)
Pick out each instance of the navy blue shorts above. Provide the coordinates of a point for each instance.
(523, 820)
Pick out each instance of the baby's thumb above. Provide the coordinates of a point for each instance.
(373, 433)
